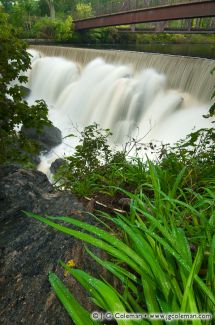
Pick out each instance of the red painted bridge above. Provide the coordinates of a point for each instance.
(116, 13)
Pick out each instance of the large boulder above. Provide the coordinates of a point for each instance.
(56, 165)
(25, 91)
(30, 249)
(47, 138)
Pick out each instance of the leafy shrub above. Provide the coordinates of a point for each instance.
(94, 168)
(90, 155)
(173, 38)
(15, 111)
(53, 28)
(211, 113)
(195, 153)
(83, 10)
(143, 38)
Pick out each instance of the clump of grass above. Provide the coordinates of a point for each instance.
(164, 256)
(162, 251)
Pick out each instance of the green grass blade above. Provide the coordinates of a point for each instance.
(79, 315)
(178, 180)
(188, 297)
(111, 299)
(118, 271)
(211, 266)
(183, 263)
(147, 254)
(182, 246)
(150, 298)
(113, 240)
(94, 241)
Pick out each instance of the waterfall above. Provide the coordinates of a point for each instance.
(158, 97)
(188, 74)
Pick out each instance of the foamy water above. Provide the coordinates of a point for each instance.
(116, 97)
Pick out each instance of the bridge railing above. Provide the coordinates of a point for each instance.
(111, 7)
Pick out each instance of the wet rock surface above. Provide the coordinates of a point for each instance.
(30, 249)
(25, 91)
(56, 164)
(49, 137)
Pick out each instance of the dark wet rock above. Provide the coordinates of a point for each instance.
(34, 158)
(91, 205)
(56, 164)
(25, 91)
(49, 137)
(125, 202)
(30, 249)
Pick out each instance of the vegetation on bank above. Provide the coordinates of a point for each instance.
(161, 251)
(176, 38)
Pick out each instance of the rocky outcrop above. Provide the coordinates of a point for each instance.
(49, 137)
(25, 91)
(56, 164)
(30, 249)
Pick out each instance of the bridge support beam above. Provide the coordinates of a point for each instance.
(173, 12)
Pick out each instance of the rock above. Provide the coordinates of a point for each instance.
(91, 205)
(49, 137)
(56, 164)
(125, 202)
(30, 249)
(34, 158)
(25, 91)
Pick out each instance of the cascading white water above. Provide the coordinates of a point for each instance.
(116, 97)
(188, 74)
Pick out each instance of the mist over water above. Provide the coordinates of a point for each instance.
(116, 96)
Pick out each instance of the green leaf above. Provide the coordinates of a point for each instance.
(79, 315)
(130, 259)
(107, 294)
(189, 297)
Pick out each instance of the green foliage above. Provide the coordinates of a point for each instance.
(74, 309)
(83, 10)
(152, 252)
(14, 111)
(212, 108)
(94, 168)
(30, 17)
(143, 39)
(196, 153)
(173, 38)
(57, 29)
(97, 36)
(92, 152)
(20, 13)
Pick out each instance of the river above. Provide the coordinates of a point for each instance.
(194, 50)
